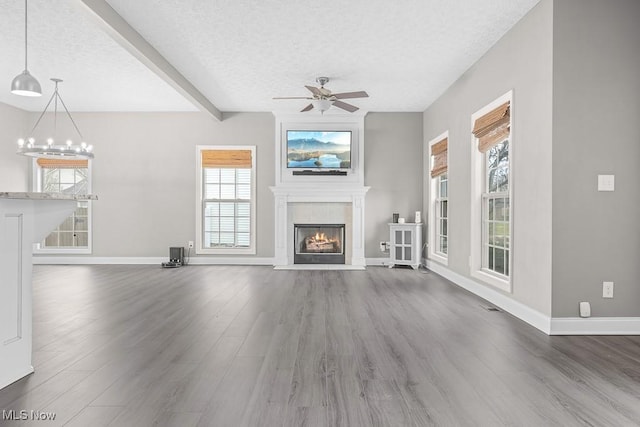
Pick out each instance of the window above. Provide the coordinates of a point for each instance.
(442, 217)
(69, 177)
(491, 255)
(226, 200)
(495, 210)
(439, 199)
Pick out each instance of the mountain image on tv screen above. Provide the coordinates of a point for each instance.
(316, 149)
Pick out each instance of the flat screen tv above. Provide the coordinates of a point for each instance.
(310, 149)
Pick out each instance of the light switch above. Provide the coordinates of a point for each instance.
(606, 182)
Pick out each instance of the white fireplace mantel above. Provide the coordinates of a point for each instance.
(337, 197)
(311, 193)
(288, 194)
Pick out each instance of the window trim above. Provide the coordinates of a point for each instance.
(199, 211)
(36, 180)
(432, 217)
(438, 218)
(478, 182)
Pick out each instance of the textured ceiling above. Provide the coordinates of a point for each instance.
(64, 42)
(241, 53)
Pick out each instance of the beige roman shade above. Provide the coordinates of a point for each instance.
(439, 153)
(493, 127)
(240, 159)
(62, 163)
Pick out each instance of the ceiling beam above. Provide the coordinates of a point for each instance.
(125, 35)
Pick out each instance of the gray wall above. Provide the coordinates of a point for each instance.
(393, 167)
(14, 169)
(596, 114)
(144, 175)
(520, 61)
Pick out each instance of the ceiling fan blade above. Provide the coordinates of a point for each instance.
(348, 107)
(314, 90)
(346, 95)
(307, 108)
(291, 97)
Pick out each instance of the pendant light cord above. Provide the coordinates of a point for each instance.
(25, 34)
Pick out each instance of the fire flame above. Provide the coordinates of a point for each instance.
(320, 237)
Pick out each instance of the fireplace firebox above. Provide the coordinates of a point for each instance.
(318, 244)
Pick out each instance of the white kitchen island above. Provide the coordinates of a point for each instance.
(25, 218)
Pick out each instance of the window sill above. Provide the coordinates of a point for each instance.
(504, 284)
(441, 259)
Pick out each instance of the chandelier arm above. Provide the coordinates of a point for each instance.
(55, 114)
(43, 111)
(70, 118)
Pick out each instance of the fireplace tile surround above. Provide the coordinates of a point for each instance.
(321, 206)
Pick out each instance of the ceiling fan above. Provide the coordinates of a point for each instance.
(322, 99)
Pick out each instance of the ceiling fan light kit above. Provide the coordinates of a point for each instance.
(50, 150)
(25, 84)
(323, 99)
(322, 105)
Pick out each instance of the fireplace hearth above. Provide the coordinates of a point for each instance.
(318, 244)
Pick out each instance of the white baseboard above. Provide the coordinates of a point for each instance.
(201, 260)
(10, 378)
(319, 267)
(521, 311)
(231, 261)
(548, 325)
(595, 326)
(378, 261)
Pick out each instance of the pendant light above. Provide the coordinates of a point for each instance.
(25, 84)
(50, 150)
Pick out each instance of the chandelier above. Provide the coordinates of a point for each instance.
(50, 149)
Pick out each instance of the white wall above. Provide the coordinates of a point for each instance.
(14, 169)
(521, 61)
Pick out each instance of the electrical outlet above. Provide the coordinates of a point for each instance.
(607, 289)
(606, 182)
(383, 246)
(585, 309)
(190, 244)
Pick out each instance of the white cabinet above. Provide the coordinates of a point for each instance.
(406, 244)
(25, 219)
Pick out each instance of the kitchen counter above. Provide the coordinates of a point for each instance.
(45, 196)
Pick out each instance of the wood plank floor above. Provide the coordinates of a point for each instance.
(250, 346)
